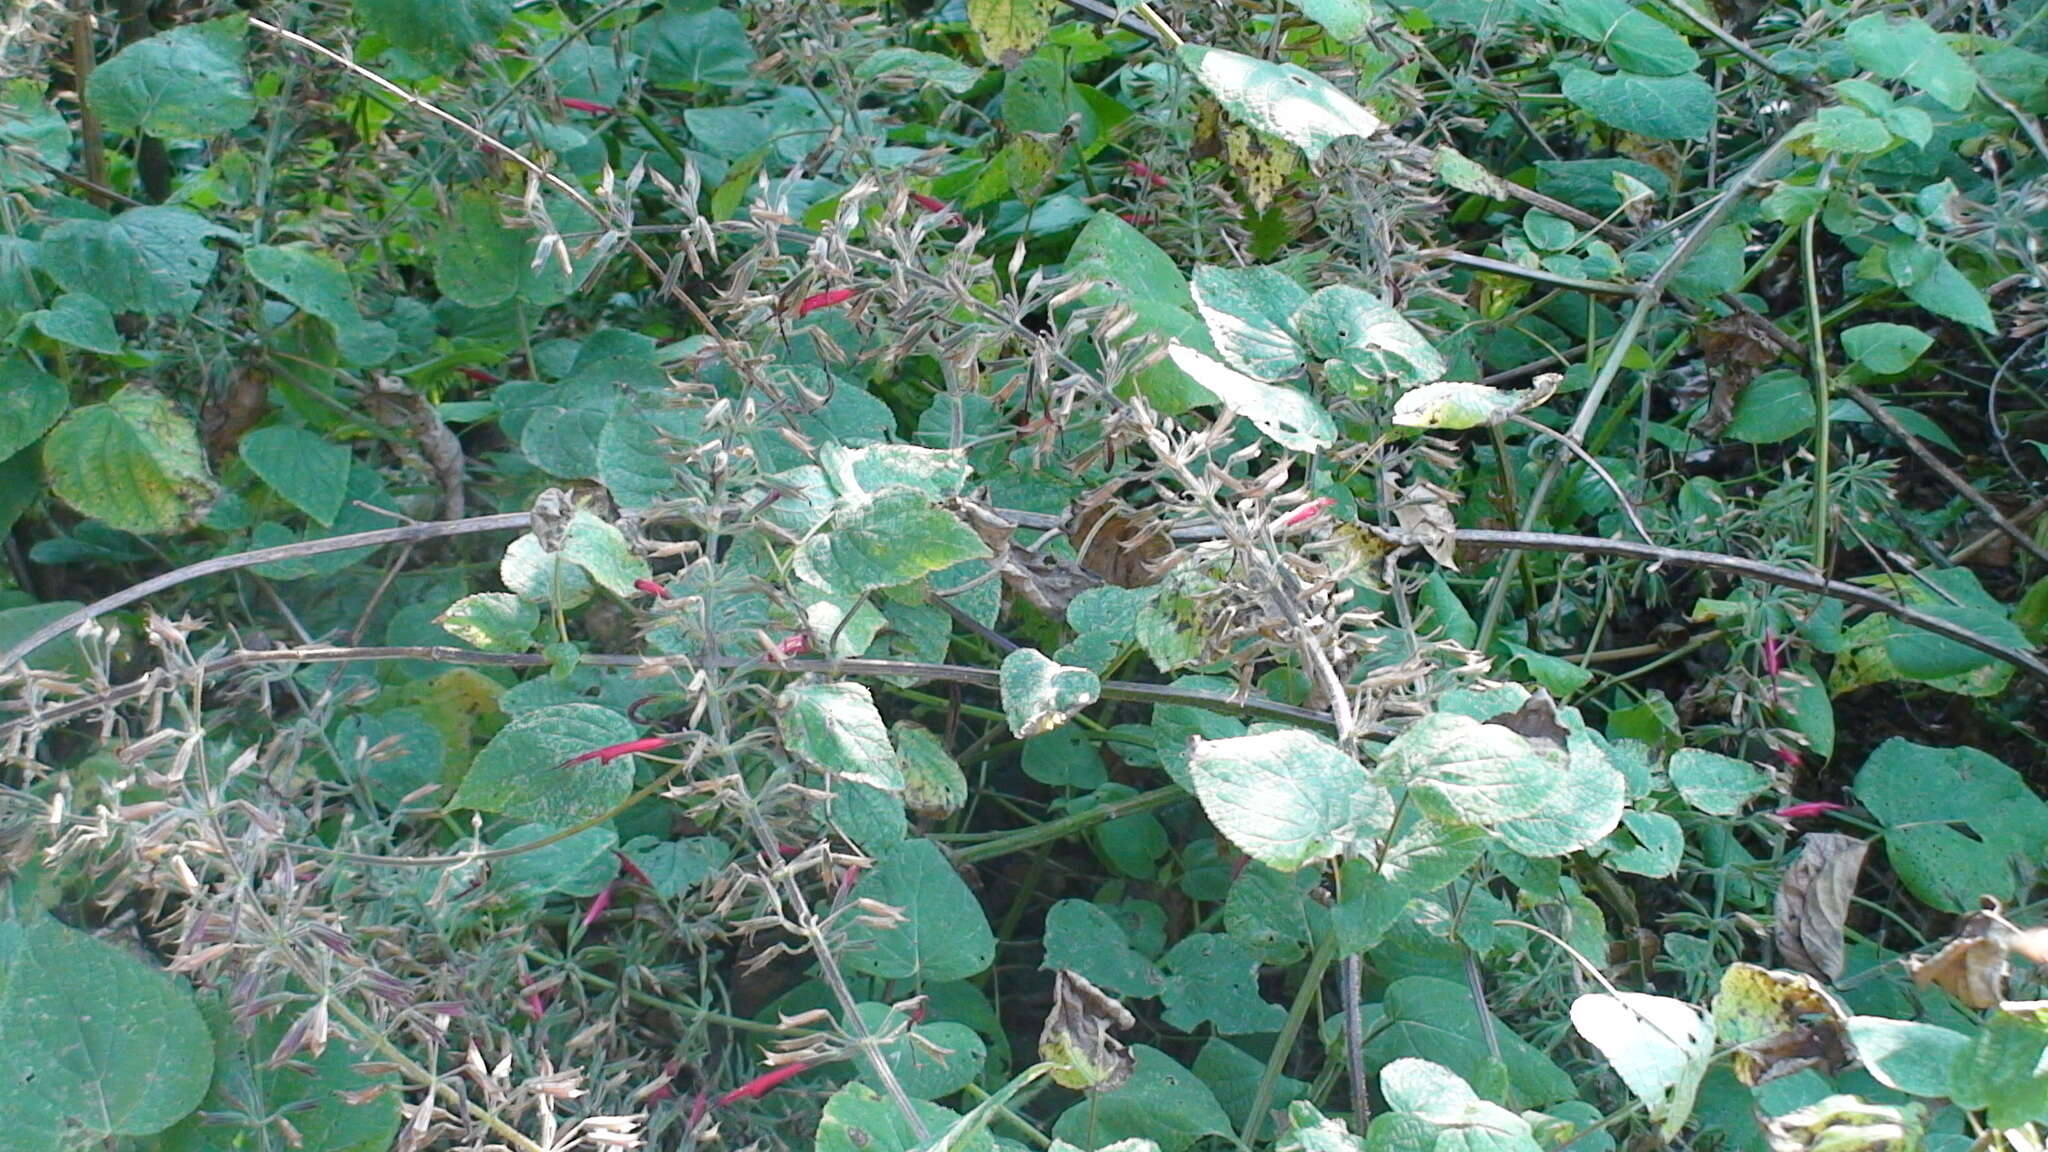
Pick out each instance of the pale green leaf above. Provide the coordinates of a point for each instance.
(836, 729)
(1716, 784)
(1040, 694)
(184, 83)
(133, 462)
(1363, 331)
(1913, 53)
(1474, 773)
(596, 545)
(1009, 29)
(542, 577)
(925, 67)
(524, 771)
(1288, 798)
(1885, 348)
(1286, 417)
(1658, 1046)
(1283, 100)
(1907, 1055)
(1250, 316)
(492, 621)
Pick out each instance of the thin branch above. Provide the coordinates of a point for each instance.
(1538, 275)
(1949, 476)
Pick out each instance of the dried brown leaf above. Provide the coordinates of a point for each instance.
(1076, 1039)
(1813, 902)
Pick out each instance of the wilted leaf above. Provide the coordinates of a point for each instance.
(1848, 1124)
(1076, 1038)
(133, 462)
(1287, 417)
(1783, 1022)
(932, 782)
(1813, 902)
(1658, 1046)
(1040, 694)
(1283, 100)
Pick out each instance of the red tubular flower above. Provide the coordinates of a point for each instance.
(794, 645)
(652, 588)
(481, 376)
(598, 906)
(1807, 810)
(1144, 172)
(632, 870)
(763, 1084)
(1307, 512)
(928, 203)
(611, 752)
(590, 106)
(1137, 219)
(824, 300)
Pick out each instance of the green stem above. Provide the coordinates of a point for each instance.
(1004, 843)
(1311, 987)
(1821, 398)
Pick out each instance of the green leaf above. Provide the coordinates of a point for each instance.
(492, 621)
(1348, 20)
(440, 34)
(1885, 348)
(930, 1059)
(1716, 784)
(133, 462)
(596, 545)
(80, 321)
(1776, 406)
(835, 728)
(1959, 823)
(318, 284)
(479, 262)
(1126, 268)
(186, 83)
(148, 260)
(1008, 30)
(579, 865)
(1658, 1046)
(1469, 772)
(1250, 316)
(694, 45)
(1081, 937)
(112, 1046)
(1358, 328)
(944, 934)
(1948, 293)
(1375, 890)
(305, 469)
(396, 753)
(31, 400)
(542, 577)
(523, 772)
(1660, 107)
(1456, 406)
(932, 781)
(1283, 100)
(1579, 813)
(2004, 1071)
(925, 67)
(1433, 1018)
(858, 1118)
(855, 472)
(1913, 53)
(30, 128)
(1286, 417)
(1658, 849)
(889, 539)
(332, 1104)
(1847, 131)
(1213, 979)
(1162, 1102)
(1288, 798)
(1906, 1055)
(1039, 694)
(1636, 41)
(1432, 1108)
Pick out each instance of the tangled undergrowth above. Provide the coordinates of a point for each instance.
(1327, 576)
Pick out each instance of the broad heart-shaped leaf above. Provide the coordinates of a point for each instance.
(1907, 1055)
(1284, 100)
(1126, 268)
(1911, 52)
(303, 468)
(542, 577)
(926, 67)
(1162, 1102)
(1946, 292)
(1462, 770)
(523, 772)
(944, 934)
(1435, 1019)
(1212, 978)
(1375, 888)
(480, 262)
(1716, 784)
(29, 126)
(1288, 798)
(1959, 824)
(1658, 1046)
(1456, 406)
(332, 1105)
(1250, 315)
(596, 545)
(1433, 1109)
(1040, 694)
(930, 1060)
(1347, 20)
(98, 1043)
(319, 285)
(30, 401)
(1009, 29)
(1083, 938)
(1660, 107)
(1635, 40)
(1360, 329)
(492, 621)
(2001, 1072)
(186, 83)
(1286, 417)
(149, 260)
(877, 467)
(80, 321)
(836, 729)
(892, 538)
(440, 34)
(695, 44)
(1885, 348)
(858, 1118)
(133, 462)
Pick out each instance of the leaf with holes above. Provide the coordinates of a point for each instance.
(1359, 329)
